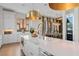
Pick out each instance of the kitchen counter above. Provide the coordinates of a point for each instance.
(57, 47)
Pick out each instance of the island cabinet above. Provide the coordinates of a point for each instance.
(49, 47)
(33, 47)
(29, 48)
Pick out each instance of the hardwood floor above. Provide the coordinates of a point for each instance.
(10, 50)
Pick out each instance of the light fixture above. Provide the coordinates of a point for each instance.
(63, 6)
(33, 15)
(8, 31)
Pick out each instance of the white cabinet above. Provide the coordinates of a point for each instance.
(30, 49)
(9, 22)
(1, 26)
(0, 40)
(0, 43)
(9, 19)
(30, 45)
(19, 36)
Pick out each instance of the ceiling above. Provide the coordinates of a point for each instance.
(43, 8)
(22, 7)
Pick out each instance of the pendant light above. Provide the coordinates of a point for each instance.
(33, 15)
(63, 6)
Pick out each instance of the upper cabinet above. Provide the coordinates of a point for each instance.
(1, 26)
(9, 19)
(9, 26)
(1, 21)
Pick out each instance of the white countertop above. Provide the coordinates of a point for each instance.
(58, 47)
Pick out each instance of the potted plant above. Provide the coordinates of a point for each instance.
(31, 30)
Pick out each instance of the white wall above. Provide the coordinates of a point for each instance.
(76, 25)
(64, 25)
(20, 15)
(34, 24)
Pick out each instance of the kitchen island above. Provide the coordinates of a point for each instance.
(48, 46)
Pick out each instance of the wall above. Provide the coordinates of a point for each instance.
(76, 25)
(37, 25)
(64, 25)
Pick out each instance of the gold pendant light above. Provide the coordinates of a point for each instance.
(33, 15)
(63, 6)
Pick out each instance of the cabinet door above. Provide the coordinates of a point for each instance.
(35, 50)
(26, 48)
(9, 23)
(31, 49)
(9, 19)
